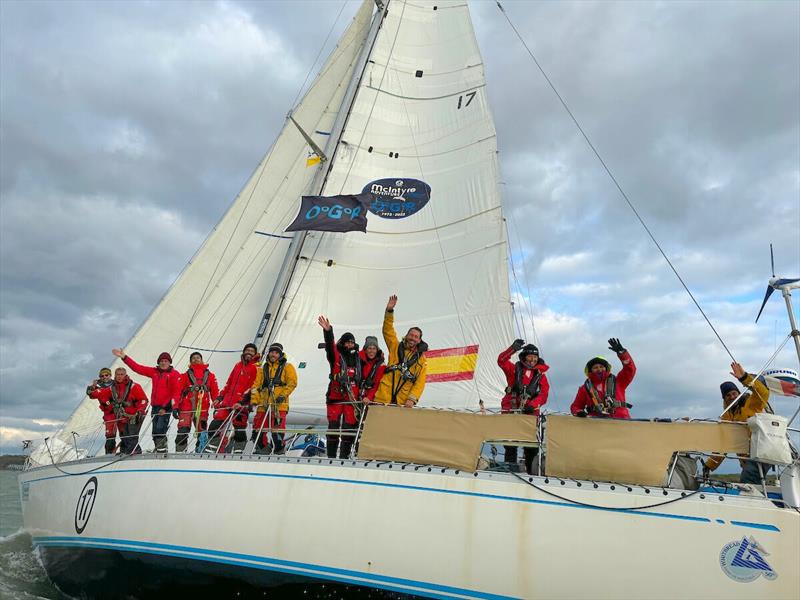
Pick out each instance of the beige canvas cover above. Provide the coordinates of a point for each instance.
(635, 452)
(436, 437)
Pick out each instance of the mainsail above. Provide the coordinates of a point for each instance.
(419, 134)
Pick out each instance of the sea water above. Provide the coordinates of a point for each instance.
(23, 578)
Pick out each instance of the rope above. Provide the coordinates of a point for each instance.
(614, 179)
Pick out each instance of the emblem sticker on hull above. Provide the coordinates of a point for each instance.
(83, 510)
(744, 561)
(397, 198)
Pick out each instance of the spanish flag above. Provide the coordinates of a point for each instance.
(313, 159)
(451, 364)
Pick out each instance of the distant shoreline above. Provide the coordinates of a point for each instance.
(7, 460)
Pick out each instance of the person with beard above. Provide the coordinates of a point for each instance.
(274, 383)
(198, 386)
(164, 392)
(404, 378)
(749, 404)
(128, 403)
(103, 381)
(603, 393)
(343, 390)
(233, 403)
(527, 390)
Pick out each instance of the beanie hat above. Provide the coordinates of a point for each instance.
(251, 345)
(526, 350)
(597, 360)
(163, 356)
(728, 386)
(371, 340)
(104, 370)
(347, 337)
(193, 354)
(275, 347)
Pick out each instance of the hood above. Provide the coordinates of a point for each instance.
(598, 360)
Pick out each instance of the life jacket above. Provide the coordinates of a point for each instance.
(347, 376)
(404, 366)
(270, 383)
(607, 405)
(520, 392)
(195, 388)
(119, 403)
(369, 380)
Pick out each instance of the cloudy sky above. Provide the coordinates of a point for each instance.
(128, 128)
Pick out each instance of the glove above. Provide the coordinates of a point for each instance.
(280, 399)
(581, 413)
(615, 346)
(176, 413)
(517, 345)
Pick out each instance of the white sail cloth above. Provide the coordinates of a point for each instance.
(420, 115)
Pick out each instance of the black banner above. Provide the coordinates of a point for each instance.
(332, 213)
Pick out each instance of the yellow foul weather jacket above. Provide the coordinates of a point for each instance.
(393, 389)
(283, 388)
(746, 407)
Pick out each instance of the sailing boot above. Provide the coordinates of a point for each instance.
(111, 444)
(160, 443)
(239, 441)
(182, 439)
(347, 440)
(332, 440)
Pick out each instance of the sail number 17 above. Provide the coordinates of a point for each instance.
(469, 96)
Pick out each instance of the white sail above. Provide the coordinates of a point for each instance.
(218, 300)
(421, 113)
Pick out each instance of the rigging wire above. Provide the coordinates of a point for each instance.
(321, 48)
(529, 303)
(613, 179)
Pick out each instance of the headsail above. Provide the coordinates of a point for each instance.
(216, 303)
(420, 120)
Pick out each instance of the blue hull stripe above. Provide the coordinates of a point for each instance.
(418, 488)
(271, 564)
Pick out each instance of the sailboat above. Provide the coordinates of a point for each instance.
(398, 110)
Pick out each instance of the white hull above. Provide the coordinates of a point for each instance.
(417, 529)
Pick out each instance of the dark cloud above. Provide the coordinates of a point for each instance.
(128, 128)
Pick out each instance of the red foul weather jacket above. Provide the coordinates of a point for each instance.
(165, 392)
(337, 361)
(538, 395)
(370, 382)
(189, 391)
(128, 392)
(239, 383)
(583, 401)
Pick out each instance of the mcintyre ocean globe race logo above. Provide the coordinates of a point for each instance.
(396, 198)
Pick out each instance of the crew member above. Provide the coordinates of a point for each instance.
(372, 369)
(603, 393)
(103, 381)
(233, 403)
(404, 379)
(274, 383)
(164, 392)
(527, 389)
(128, 403)
(344, 389)
(198, 387)
(757, 401)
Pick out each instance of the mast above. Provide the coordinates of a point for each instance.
(266, 327)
